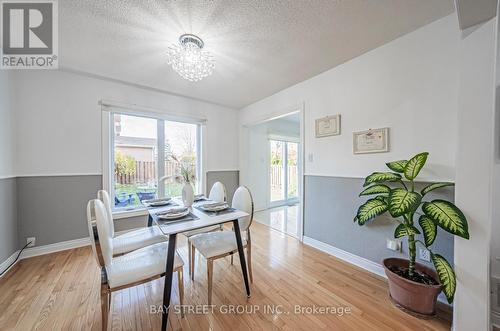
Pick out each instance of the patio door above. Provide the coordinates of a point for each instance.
(283, 171)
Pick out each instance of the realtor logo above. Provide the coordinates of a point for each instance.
(29, 34)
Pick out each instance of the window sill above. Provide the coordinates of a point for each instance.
(121, 214)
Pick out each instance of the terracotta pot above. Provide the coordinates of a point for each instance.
(415, 297)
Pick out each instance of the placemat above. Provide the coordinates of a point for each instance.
(188, 217)
(215, 213)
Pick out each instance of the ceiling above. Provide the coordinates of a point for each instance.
(260, 46)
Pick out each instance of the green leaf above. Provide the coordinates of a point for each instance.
(434, 186)
(397, 166)
(370, 209)
(402, 201)
(447, 216)
(414, 166)
(404, 230)
(378, 177)
(446, 275)
(376, 189)
(429, 228)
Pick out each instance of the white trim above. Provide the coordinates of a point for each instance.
(423, 180)
(4, 266)
(333, 176)
(294, 109)
(122, 214)
(61, 174)
(56, 247)
(346, 256)
(106, 157)
(280, 137)
(302, 170)
(7, 177)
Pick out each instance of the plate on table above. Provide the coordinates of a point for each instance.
(174, 213)
(199, 197)
(157, 202)
(214, 207)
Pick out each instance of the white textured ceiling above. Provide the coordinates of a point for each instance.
(260, 46)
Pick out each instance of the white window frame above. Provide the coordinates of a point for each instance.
(110, 108)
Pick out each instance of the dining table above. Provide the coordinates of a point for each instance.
(197, 219)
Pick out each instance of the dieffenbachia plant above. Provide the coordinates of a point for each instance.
(405, 205)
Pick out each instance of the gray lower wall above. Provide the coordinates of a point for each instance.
(330, 206)
(231, 179)
(53, 208)
(8, 218)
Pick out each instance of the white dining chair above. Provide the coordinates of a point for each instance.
(131, 240)
(127, 270)
(217, 193)
(216, 245)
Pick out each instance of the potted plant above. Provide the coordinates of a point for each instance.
(413, 286)
(186, 176)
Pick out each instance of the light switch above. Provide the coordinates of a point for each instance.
(394, 245)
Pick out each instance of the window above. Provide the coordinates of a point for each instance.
(147, 155)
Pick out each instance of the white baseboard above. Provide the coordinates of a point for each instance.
(359, 261)
(4, 266)
(346, 256)
(52, 248)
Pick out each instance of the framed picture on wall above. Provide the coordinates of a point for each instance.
(328, 126)
(371, 141)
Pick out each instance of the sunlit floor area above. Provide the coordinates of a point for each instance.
(60, 291)
(283, 219)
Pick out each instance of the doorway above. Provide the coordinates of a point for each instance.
(283, 172)
(272, 169)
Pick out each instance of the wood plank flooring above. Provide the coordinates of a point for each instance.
(60, 291)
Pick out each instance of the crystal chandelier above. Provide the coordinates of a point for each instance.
(189, 60)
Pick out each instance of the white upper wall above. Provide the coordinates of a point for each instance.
(7, 123)
(59, 122)
(409, 85)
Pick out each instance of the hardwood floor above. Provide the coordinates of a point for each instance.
(60, 291)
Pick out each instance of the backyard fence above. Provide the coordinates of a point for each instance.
(145, 172)
(277, 175)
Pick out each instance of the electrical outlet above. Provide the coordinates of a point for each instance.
(393, 245)
(31, 241)
(424, 254)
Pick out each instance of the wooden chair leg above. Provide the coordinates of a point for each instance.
(249, 261)
(210, 272)
(193, 257)
(105, 304)
(180, 280)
